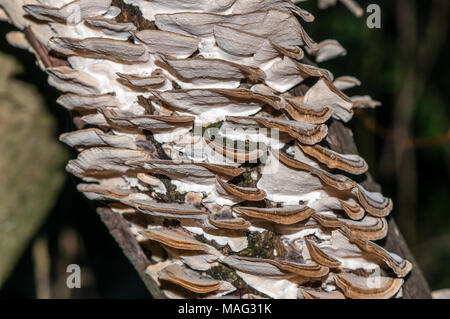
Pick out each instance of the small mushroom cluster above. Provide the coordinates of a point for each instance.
(263, 207)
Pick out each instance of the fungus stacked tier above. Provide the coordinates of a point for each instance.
(145, 78)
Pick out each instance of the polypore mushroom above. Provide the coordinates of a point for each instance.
(262, 193)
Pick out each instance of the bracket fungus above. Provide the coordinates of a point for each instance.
(188, 130)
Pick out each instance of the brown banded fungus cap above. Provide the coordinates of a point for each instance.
(187, 127)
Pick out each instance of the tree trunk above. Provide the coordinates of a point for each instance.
(31, 164)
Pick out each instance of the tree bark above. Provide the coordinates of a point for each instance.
(118, 228)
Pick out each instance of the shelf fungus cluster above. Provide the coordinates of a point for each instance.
(187, 126)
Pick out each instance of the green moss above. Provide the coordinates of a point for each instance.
(225, 273)
(216, 125)
(260, 245)
(172, 195)
(246, 179)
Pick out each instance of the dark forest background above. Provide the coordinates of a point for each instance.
(404, 65)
